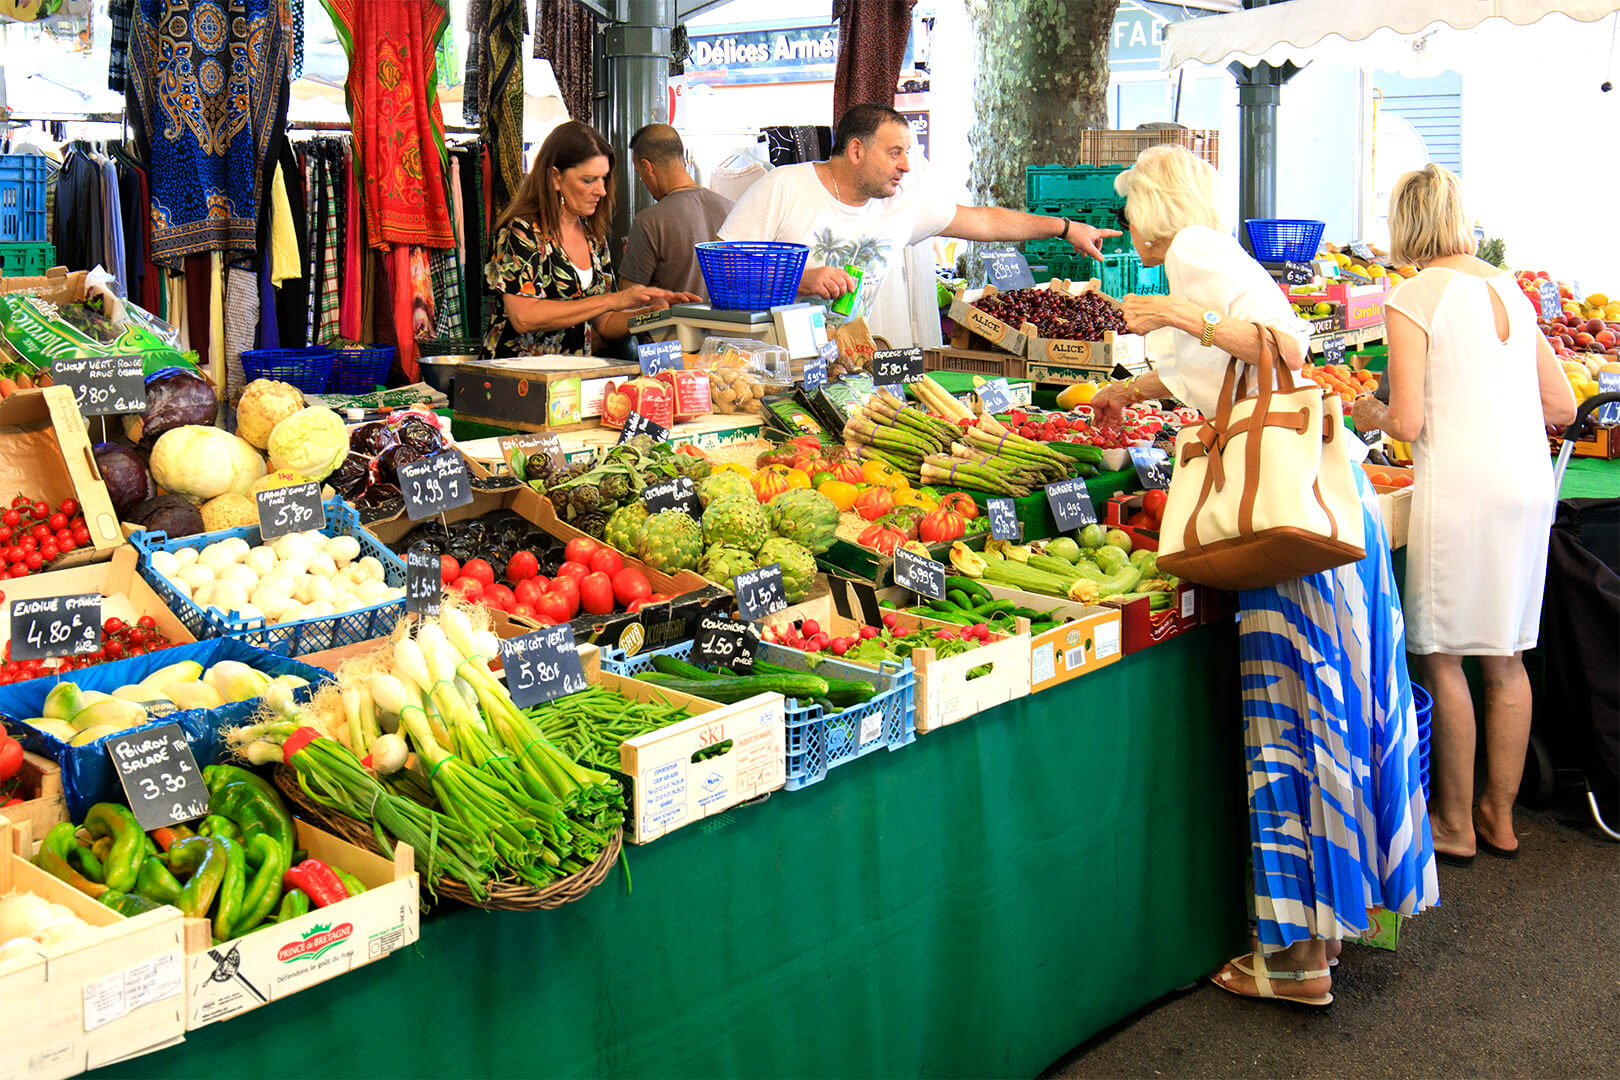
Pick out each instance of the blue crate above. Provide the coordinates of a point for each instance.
(816, 739)
(87, 773)
(751, 276)
(288, 638)
(22, 198)
(308, 369)
(1280, 239)
(360, 371)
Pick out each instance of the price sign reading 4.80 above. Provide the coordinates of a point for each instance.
(160, 775)
(435, 484)
(542, 665)
(103, 385)
(891, 366)
(295, 508)
(723, 642)
(925, 577)
(424, 583)
(1004, 523)
(760, 592)
(55, 626)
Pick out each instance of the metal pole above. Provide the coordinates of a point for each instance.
(1259, 92)
(637, 61)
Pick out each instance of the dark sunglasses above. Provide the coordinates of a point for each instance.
(1119, 216)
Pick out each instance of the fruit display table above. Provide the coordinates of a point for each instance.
(975, 905)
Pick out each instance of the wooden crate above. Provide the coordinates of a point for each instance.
(41, 792)
(537, 393)
(1602, 442)
(977, 361)
(1122, 147)
(972, 322)
(101, 998)
(125, 593)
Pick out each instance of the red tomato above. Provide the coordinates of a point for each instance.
(480, 570)
(525, 610)
(658, 598)
(469, 587)
(556, 606)
(449, 569)
(1153, 505)
(530, 590)
(522, 566)
(596, 593)
(81, 535)
(57, 521)
(499, 596)
(634, 606)
(630, 585)
(574, 570)
(11, 757)
(70, 507)
(580, 550)
(607, 561)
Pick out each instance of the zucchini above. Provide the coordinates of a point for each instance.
(670, 665)
(735, 688)
(841, 692)
(1091, 455)
(973, 588)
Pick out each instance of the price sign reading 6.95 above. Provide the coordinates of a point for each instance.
(542, 665)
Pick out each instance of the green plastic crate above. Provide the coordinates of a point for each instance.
(1057, 183)
(26, 260)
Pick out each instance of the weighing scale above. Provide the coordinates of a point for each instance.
(801, 329)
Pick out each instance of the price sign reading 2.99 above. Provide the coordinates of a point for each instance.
(542, 665)
(435, 484)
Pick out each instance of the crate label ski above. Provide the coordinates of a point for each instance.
(542, 665)
(435, 484)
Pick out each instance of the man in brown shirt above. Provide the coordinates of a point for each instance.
(659, 252)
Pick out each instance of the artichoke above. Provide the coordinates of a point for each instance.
(592, 524)
(537, 467)
(613, 487)
(583, 498)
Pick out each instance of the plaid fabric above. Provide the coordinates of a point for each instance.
(445, 268)
(313, 222)
(326, 327)
(122, 14)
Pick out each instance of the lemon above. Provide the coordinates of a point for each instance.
(1323, 308)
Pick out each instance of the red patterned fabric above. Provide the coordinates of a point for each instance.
(394, 111)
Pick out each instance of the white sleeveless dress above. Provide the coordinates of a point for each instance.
(1483, 501)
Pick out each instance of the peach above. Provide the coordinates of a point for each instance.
(1568, 340)
(1606, 338)
(1584, 339)
(1595, 326)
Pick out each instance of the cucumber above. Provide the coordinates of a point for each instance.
(960, 599)
(841, 692)
(670, 665)
(735, 688)
(973, 588)
(1090, 455)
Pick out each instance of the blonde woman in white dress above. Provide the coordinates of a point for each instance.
(1473, 386)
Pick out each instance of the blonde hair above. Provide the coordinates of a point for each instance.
(1426, 217)
(1167, 190)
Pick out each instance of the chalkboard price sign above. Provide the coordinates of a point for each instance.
(1609, 383)
(295, 508)
(677, 494)
(435, 484)
(723, 642)
(1333, 349)
(995, 396)
(1552, 304)
(815, 368)
(1070, 504)
(1004, 523)
(1297, 273)
(530, 444)
(1008, 270)
(160, 775)
(891, 366)
(636, 424)
(660, 356)
(925, 577)
(55, 626)
(424, 583)
(1152, 467)
(103, 385)
(542, 665)
(760, 592)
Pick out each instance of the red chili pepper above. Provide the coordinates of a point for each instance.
(316, 879)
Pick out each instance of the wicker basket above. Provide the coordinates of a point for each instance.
(503, 895)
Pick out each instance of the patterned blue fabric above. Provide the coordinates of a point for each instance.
(207, 77)
(1337, 816)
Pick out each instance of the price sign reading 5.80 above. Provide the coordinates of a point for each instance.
(542, 665)
(435, 484)
(296, 508)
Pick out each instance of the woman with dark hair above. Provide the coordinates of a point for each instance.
(550, 261)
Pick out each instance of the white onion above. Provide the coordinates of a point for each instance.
(165, 563)
(23, 915)
(186, 555)
(60, 930)
(343, 549)
(242, 575)
(261, 560)
(17, 948)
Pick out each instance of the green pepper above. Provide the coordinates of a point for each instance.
(128, 905)
(352, 886)
(228, 901)
(60, 840)
(220, 825)
(156, 883)
(202, 859)
(89, 864)
(264, 890)
(123, 861)
(249, 801)
(57, 866)
(293, 904)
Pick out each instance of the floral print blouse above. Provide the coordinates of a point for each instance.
(525, 263)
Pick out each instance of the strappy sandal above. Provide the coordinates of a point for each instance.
(1263, 978)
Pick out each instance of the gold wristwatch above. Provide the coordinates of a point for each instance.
(1210, 319)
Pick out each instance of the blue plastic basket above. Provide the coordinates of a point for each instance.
(287, 638)
(1425, 718)
(1276, 239)
(307, 369)
(22, 198)
(87, 773)
(360, 371)
(818, 740)
(751, 276)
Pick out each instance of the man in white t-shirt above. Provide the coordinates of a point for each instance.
(855, 209)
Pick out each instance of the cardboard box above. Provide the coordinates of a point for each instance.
(1359, 305)
(125, 593)
(970, 319)
(536, 393)
(236, 976)
(671, 784)
(1395, 504)
(56, 285)
(979, 361)
(1600, 441)
(1141, 626)
(40, 790)
(100, 998)
(45, 452)
(946, 693)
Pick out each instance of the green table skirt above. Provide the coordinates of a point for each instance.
(976, 904)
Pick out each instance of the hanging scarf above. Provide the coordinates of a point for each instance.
(210, 90)
(565, 33)
(503, 106)
(393, 100)
(872, 37)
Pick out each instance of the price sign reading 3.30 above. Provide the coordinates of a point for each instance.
(160, 775)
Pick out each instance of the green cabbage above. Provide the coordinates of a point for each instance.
(311, 442)
(199, 463)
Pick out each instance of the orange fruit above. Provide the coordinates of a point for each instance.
(841, 492)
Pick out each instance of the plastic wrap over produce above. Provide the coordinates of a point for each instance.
(88, 776)
(71, 323)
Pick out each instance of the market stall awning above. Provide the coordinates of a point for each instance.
(1300, 30)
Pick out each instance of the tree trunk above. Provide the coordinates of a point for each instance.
(1042, 79)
